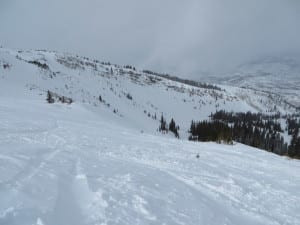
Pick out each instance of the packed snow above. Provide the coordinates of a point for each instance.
(64, 164)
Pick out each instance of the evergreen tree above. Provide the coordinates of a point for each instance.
(173, 128)
(49, 98)
(163, 124)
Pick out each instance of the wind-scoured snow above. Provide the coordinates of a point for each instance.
(63, 164)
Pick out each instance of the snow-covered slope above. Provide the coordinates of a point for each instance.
(63, 164)
(84, 164)
(32, 73)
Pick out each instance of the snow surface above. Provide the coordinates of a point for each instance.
(63, 164)
(82, 164)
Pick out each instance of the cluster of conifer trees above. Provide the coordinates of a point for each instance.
(164, 127)
(210, 131)
(293, 126)
(51, 97)
(254, 129)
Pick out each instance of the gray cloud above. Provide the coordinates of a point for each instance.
(181, 37)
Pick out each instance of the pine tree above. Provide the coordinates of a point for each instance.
(174, 128)
(163, 124)
(49, 98)
(172, 125)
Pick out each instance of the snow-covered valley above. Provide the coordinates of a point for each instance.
(103, 162)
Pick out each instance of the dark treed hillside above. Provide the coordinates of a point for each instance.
(254, 129)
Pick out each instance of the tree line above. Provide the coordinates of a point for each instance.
(184, 81)
(293, 127)
(253, 129)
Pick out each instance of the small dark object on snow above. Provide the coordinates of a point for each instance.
(197, 156)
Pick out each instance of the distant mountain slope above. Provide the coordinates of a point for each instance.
(279, 75)
(137, 98)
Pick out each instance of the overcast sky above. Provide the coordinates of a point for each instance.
(184, 37)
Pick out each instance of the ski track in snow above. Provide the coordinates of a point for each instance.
(58, 170)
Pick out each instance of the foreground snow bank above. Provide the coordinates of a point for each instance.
(65, 165)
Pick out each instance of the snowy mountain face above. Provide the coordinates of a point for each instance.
(279, 75)
(133, 95)
(102, 161)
